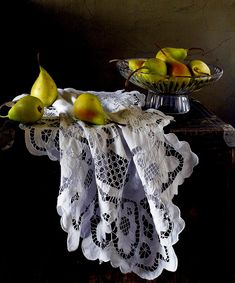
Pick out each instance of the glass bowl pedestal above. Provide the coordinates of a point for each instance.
(170, 94)
(167, 103)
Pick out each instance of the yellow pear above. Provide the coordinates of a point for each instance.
(199, 68)
(44, 88)
(153, 70)
(135, 63)
(27, 109)
(87, 107)
(176, 53)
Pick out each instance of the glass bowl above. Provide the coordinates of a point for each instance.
(170, 94)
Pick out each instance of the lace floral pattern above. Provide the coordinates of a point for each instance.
(117, 182)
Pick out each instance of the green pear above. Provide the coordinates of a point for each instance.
(135, 64)
(87, 107)
(27, 109)
(152, 70)
(44, 88)
(199, 68)
(175, 53)
(154, 66)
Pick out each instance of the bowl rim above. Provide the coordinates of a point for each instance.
(218, 74)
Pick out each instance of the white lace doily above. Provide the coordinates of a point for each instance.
(117, 182)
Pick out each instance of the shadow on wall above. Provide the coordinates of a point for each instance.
(68, 53)
(64, 51)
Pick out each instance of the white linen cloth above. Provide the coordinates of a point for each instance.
(117, 182)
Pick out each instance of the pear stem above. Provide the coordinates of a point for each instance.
(201, 73)
(38, 58)
(167, 55)
(197, 48)
(131, 74)
(4, 104)
(159, 47)
(118, 123)
(117, 60)
(3, 116)
(114, 60)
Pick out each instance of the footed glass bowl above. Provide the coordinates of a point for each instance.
(170, 94)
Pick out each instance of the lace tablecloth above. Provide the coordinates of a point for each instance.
(117, 182)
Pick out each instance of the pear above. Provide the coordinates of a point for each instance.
(154, 66)
(44, 88)
(27, 109)
(135, 64)
(178, 69)
(178, 72)
(151, 71)
(175, 66)
(199, 68)
(87, 107)
(175, 53)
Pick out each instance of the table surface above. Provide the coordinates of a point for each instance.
(204, 129)
(199, 120)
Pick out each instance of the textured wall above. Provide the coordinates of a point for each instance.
(77, 38)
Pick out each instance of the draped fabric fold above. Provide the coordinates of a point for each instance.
(117, 182)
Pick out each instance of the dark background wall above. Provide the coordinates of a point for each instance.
(76, 39)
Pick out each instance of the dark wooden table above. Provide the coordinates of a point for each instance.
(206, 199)
(33, 245)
